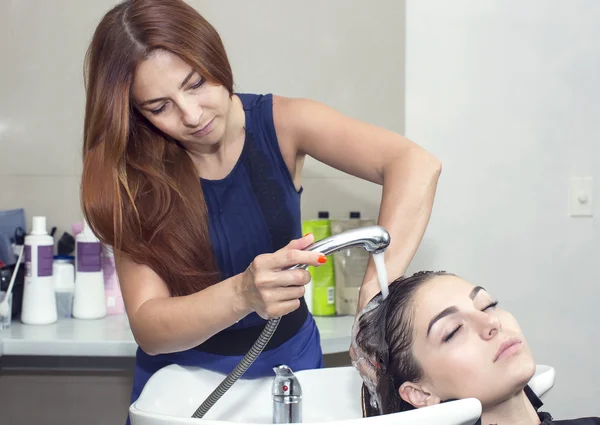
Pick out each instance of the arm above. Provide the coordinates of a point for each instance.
(408, 173)
(164, 324)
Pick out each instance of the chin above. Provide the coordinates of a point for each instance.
(527, 369)
(211, 139)
(511, 379)
(519, 372)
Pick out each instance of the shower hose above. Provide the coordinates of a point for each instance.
(240, 369)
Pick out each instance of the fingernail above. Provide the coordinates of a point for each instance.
(322, 259)
(307, 234)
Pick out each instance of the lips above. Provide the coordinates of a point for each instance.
(508, 346)
(204, 130)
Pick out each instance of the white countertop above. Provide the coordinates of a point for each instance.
(112, 337)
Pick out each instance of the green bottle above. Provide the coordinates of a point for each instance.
(323, 277)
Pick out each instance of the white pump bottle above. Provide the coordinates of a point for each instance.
(39, 301)
(89, 300)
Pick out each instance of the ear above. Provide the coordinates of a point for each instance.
(417, 395)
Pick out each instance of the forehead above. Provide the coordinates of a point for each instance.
(160, 71)
(163, 59)
(439, 293)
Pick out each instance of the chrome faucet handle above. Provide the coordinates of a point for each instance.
(374, 239)
(287, 396)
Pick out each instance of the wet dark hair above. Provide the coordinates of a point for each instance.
(385, 333)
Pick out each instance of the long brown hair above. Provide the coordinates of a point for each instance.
(140, 191)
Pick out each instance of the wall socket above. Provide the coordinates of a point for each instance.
(581, 202)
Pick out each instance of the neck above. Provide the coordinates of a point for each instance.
(517, 410)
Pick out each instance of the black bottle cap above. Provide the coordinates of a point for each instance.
(19, 236)
(66, 244)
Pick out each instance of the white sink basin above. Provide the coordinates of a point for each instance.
(329, 395)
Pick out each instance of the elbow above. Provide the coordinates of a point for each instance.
(427, 164)
(436, 166)
(154, 342)
(147, 348)
(146, 331)
(147, 345)
(148, 342)
(427, 161)
(418, 163)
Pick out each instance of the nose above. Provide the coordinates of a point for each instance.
(191, 115)
(489, 325)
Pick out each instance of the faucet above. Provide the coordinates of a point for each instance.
(287, 396)
(374, 239)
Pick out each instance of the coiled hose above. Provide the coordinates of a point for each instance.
(240, 369)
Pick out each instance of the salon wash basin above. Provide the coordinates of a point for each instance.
(330, 395)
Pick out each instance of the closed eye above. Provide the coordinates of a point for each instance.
(451, 334)
(159, 110)
(198, 84)
(491, 305)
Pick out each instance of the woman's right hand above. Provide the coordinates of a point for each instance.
(270, 290)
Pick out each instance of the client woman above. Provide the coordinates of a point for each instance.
(465, 344)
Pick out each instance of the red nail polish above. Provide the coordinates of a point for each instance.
(322, 259)
(307, 234)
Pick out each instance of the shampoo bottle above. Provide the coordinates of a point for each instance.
(322, 277)
(89, 299)
(39, 301)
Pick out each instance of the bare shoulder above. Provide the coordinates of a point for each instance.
(298, 119)
(285, 116)
(291, 112)
(309, 127)
(287, 104)
(287, 119)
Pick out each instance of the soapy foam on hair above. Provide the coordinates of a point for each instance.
(363, 363)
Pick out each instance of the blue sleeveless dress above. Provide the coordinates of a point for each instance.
(252, 211)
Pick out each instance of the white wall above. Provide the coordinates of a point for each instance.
(507, 94)
(342, 52)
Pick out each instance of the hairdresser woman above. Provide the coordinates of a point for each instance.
(198, 190)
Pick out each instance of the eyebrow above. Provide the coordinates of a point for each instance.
(452, 309)
(445, 312)
(475, 291)
(159, 99)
